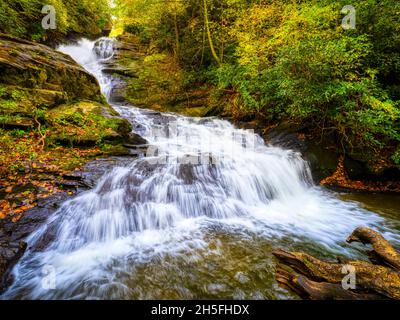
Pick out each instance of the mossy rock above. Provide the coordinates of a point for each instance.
(86, 123)
(37, 67)
(116, 151)
(12, 122)
(16, 100)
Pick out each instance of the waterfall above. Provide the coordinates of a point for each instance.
(199, 175)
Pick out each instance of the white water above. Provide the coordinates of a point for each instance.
(148, 209)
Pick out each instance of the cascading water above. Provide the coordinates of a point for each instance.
(201, 211)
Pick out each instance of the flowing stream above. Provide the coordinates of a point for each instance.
(196, 218)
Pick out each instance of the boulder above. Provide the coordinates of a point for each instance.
(10, 253)
(52, 75)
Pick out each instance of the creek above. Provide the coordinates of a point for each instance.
(198, 218)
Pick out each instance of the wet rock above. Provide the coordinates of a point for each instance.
(118, 70)
(118, 91)
(122, 45)
(241, 277)
(315, 279)
(10, 253)
(46, 239)
(86, 124)
(135, 139)
(17, 123)
(321, 156)
(323, 159)
(355, 169)
(76, 176)
(118, 151)
(16, 231)
(186, 173)
(104, 48)
(285, 136)
(214, 111)
(36, 76)
(73, 185)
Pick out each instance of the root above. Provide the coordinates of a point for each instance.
(383, 250)
(312, 278)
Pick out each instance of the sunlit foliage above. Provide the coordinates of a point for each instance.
(288, 60)
(23, 18)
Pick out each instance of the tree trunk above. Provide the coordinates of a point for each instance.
(177, 44)
(207, 24)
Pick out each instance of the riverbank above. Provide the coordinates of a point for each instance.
(33, 20)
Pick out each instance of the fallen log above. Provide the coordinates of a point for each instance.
(370, 278)
(383, 250)
(312, 290)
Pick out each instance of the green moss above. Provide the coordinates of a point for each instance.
(114, 150)
(86, 123)
(24, 101)
(14, 53)
(6, 119)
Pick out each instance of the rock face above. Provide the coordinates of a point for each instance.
(45, 76)
(46, 91)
